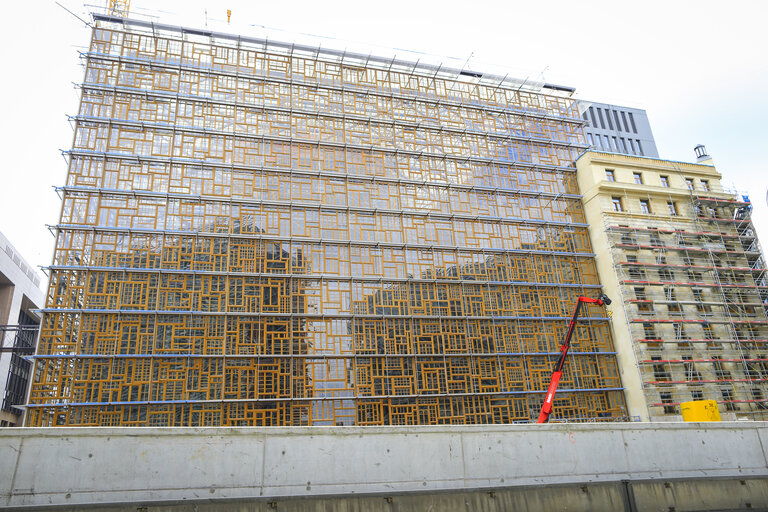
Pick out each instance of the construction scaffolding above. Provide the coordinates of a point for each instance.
(257, 233)
(694, 288)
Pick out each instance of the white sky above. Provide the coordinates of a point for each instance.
(698, 67)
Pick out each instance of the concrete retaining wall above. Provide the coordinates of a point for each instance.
(89, 466)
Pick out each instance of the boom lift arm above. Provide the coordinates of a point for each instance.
(546, 407)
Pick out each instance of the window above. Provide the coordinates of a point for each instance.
(623, 144)
(649, 331)
(631, 145)
(672, 208)
(624, 118)
(600, 117)
(616, 144)
(664, 181)
(680, 333)
(691, 373)
(632, 122)
(697, 395)
(674, 306)
(720, 373)
(616, 116)
(700, 306)
(610, 175)
(643, 305)
(617, 206)
(705, 185)
(666, 398)
(638, 178)
(639, 147)
(689, 183)
(659, 370)
(728, 399)
(645, 206)
(635, 272)
(590, 139)
(607, 144)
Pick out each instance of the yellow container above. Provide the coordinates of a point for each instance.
(700, 410)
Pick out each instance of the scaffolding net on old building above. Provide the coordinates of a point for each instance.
(694, 286)
(260, 233)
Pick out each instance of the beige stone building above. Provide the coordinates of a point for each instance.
(679, 255)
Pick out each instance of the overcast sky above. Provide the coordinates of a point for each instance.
(699, 68)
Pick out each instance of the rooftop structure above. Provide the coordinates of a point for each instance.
(260, 233)
(682, 255)
(616, 129)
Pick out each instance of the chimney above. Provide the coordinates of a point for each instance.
(701, 154)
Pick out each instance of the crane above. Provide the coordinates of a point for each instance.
(546, 407)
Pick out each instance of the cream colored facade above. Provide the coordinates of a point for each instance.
(679, 256)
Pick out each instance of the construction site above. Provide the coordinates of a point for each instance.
(258, 233)
(683, 258)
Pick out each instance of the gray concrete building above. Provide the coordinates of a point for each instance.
(616, 129)
(20, 296)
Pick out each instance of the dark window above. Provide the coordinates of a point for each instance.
(616, 116)
(632, 122)
(720, 372)
(666, 398)
(673, 306)
(659, 369)
(600, 117)
(639, 147)
(592, 115)
(624, 117)
(728, 399)
(648, 331)
(672, 208)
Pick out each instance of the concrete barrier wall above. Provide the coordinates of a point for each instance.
(90, 466)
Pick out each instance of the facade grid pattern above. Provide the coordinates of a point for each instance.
(259, 234)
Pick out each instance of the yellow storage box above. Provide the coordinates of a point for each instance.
(700, 410)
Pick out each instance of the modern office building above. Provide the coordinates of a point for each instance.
(615, 129)
(20, 298)
(681, 256)
(258, 233)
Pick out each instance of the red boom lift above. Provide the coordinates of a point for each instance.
(546, 408)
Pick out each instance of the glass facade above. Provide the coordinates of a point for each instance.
(258, 233)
